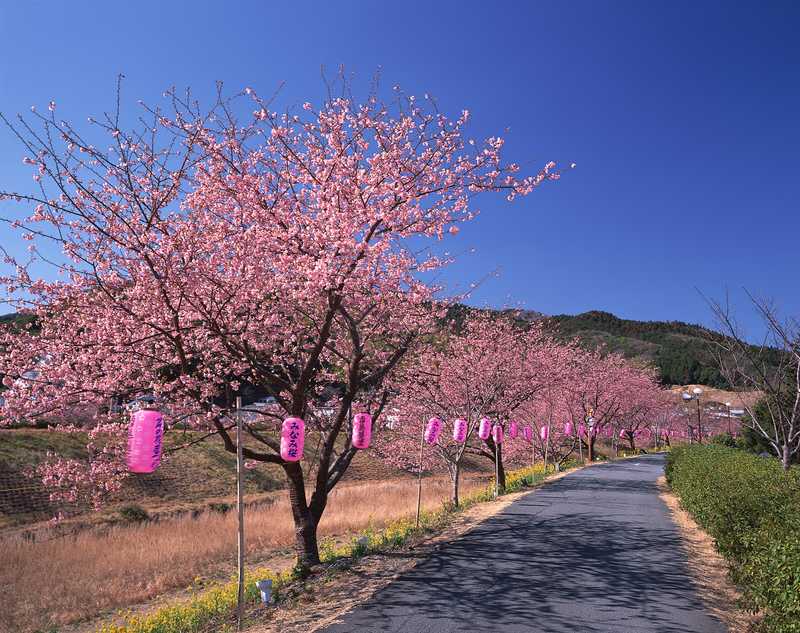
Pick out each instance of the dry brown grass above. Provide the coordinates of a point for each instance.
(64, 580)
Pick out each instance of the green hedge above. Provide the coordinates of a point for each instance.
(751, 507)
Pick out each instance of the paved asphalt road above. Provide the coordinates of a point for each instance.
(595, 552)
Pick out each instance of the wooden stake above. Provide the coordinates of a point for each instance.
(419, 478)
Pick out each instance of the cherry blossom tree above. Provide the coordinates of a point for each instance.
(545, 411)
(206, 255)
(604, 388)
(487, 367)
(643, 403)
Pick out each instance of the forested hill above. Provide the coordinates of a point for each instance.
(682, 352)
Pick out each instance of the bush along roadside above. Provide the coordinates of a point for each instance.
(751, 508)
(212, 608)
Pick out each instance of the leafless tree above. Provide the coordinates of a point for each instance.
(772, 367)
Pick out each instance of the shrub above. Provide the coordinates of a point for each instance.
(724, 439)
(751, 507)
(133, 513)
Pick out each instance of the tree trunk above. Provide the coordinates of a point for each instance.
(590, 449)
(631, 441)
(490, 454)
(305, 524)
(501, 471)
(454, 476)
(786, 458)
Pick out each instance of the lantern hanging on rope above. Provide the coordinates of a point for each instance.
(544, 433)
(497, 434)
(144, 441)
(513, 430)
(433, 430)
(362, 430)
(460, 430)
(292, 439)
(568, 428)
(485, 428)
(527, 433)
(622, 433)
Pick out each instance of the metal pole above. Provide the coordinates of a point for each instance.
(240, 513)
(699, 424)
(496, 473)
(419, 478)
(729, 419)
(546, 448)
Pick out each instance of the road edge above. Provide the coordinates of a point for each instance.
(708, 568)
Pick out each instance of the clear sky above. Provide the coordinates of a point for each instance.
(683, 119)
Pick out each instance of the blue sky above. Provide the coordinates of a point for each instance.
(681, 116)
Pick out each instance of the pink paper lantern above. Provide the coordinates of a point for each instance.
(568, 428)
(460, 431)
(433, 430)
(544, 433)
(622, 433)
(362, 430)
(485, 428)
(513, 429)
(144, 441)
(497, 434)
(292, 439)
(527, 433)
(582, 429)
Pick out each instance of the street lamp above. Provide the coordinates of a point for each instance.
(697, 392)
(695, 395)
(728, 407)
(686, 397)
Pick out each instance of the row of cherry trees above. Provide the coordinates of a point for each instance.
(210, 254)
(544, 399)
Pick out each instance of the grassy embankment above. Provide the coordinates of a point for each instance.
(121, 563)
(88, 577)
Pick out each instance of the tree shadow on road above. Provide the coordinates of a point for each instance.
(546, 566)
